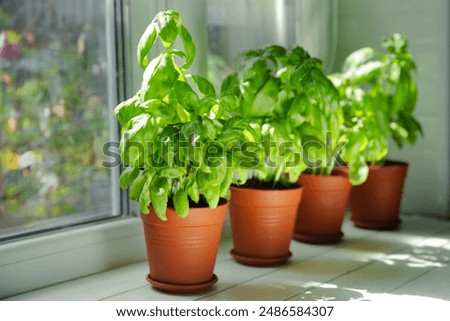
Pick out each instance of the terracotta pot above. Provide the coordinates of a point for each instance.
(182, 251)
(375, 204)
(262, 222)
(322, 210)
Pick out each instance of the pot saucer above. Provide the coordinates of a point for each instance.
(182, 288)
(261, 261)
(374, 225)
(317, 239)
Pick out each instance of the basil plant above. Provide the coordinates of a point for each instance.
(178, 138)
(379, 95)
(265, 98)
(295, 109)
(327, 141)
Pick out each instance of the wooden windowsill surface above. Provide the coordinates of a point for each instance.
(367, 265)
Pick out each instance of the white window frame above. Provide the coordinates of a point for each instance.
(44, 259)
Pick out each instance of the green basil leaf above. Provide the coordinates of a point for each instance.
(161, 111)
(217, 174)
(136, 125)
(143, 204)
(127, 176)
(206, 105)
(298, 55)
(358, 170)
(358, 58)
(159, 78)
(127, 110)
(377, 147)
(226, 182)
(230, 85)
(203, 84)
(138, 185)
(193, 190)
(212, 195)
(144, 198)
(188, 44)
(306, 129)
(166, 25)
(402, 94)
(275, 51)
(168, 143)
(145, 44)
(159, 191)
(356, 145)
(264, 101)
(186, 96)
(181, 203)
(204, 168)
(254, 74)
(314, 151)
(204, 180)
(229, 136)
(195, 156)
(279, 170)
(213, 154)
(133, 140)
(182, 113)
(236, 123)
(229, 102)
(294, 172)
(241, 176)
(173, 172)
(365, 72)
(192, 132)
(210, 128)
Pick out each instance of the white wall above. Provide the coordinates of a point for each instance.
(425, 23)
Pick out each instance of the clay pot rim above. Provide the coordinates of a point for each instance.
(391, 162)
(295, 186)
(388, 163)
(222, 202)
(336, 174)
(151, 218)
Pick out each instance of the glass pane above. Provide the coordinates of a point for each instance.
(235, 26)
(54, 115)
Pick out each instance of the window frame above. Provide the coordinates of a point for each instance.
(114, 91)
(53, 256)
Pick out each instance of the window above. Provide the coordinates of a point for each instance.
(235, 26)
(56, 97)
(63, 61)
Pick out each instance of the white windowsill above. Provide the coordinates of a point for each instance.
(40, 261)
